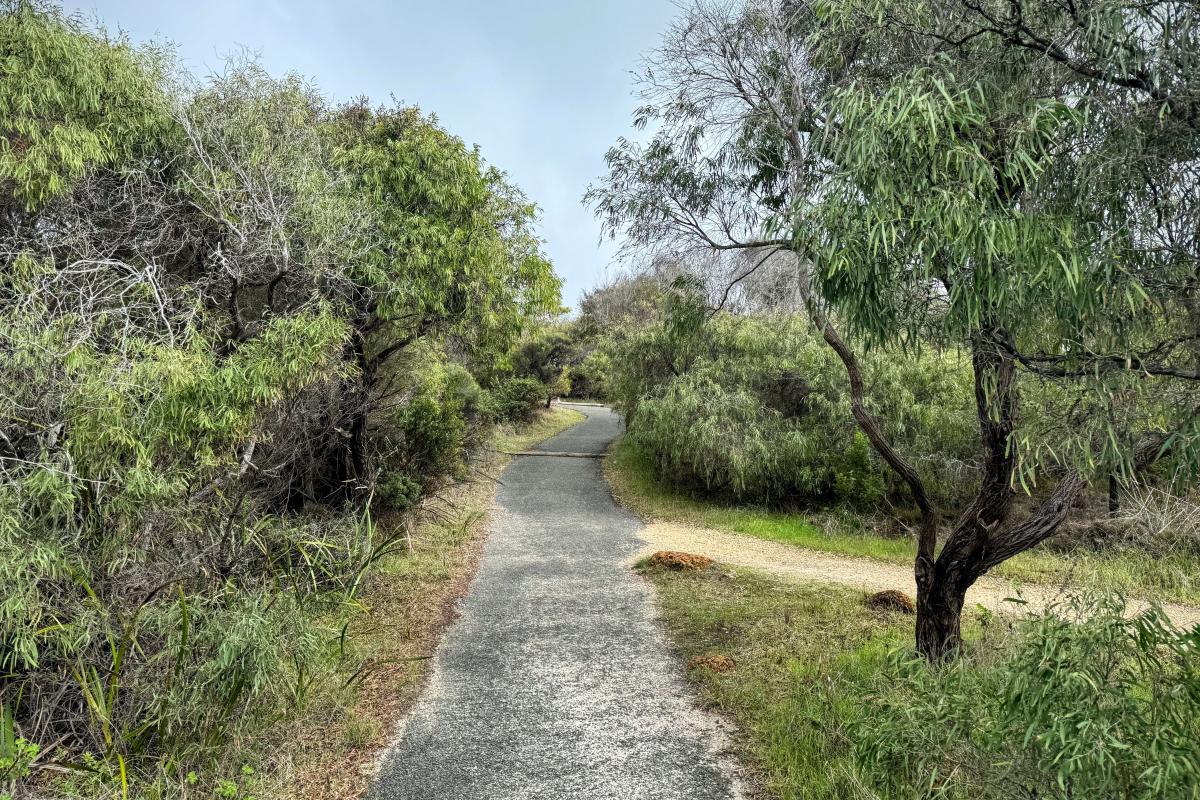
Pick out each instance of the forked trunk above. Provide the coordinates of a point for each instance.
(941, 591)
(980, 539)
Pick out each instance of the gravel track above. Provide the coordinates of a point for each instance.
(797, 563)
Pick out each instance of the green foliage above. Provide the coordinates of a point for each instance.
(834, 706)
(726, 441)
(70, 99)
(591, 376)
(226, 310)
(400, 491)
(855, 479)
(517, 399)
(434, 430)
(759, 413)
(16, 753)
(454, 240)
(544, 354)
(1081, 703)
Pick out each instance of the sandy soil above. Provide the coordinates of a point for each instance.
(798, 563)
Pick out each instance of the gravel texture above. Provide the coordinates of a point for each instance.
(556, 682)
(797, 563)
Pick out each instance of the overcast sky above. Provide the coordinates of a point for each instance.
(542, 87)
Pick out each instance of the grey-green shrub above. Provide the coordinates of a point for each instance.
(756, 409)
(517, 399)
(700, 434)
(1080, 702)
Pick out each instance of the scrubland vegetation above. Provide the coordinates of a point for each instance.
(991, 236)
(917, 282)
(251, 339)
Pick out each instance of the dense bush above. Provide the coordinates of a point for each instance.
(590, 376)
(699, 433)
(1081, 703)
(517, 399)
(432, 432)
(755, 409)
(222, 309)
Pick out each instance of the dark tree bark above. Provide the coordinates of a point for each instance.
(978, 541)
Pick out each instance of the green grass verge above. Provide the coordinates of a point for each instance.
(830, 702)
(806, 658)
(549, 423)
(1167, 579)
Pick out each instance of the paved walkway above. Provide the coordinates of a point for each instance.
(556, 682)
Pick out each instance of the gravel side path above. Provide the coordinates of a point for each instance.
(797, 563)
(556, 681)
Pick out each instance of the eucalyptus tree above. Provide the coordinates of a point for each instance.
(940, 183)
(452, 253)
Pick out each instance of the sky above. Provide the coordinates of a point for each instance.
(544, 88)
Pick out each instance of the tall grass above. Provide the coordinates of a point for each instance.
(831, 703)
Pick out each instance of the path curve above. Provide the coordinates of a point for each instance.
(798, 563)
(556, 682)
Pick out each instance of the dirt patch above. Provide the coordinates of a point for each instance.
(891, 600)
(797, 563)
(714, 662)
(672, 560)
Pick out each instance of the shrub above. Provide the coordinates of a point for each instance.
(400, 491)
(856, 478)
(430, 434)
(755, 409)
(700, 435)
(1078, 703)
(432, 428)
(590, 377)
(206, 291)
(518, 399)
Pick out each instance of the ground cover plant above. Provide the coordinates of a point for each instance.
(831, 703)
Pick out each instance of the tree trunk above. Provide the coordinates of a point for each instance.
(346, 464)
(969, 553)
(939, 616)
(942, 585)
(978, 541)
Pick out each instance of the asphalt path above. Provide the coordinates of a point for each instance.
(555, 681)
